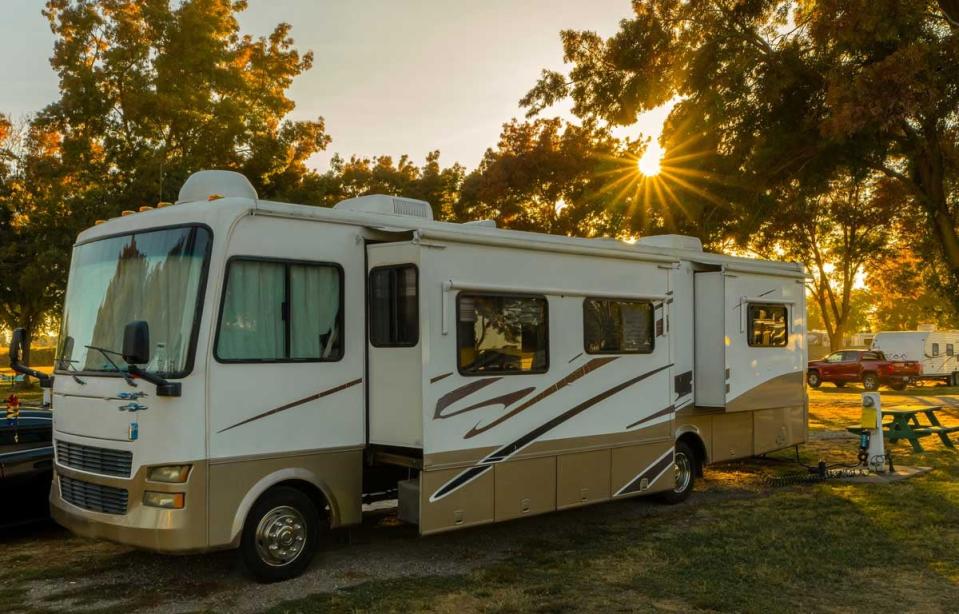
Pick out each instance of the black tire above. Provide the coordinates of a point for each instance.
(288, 518)
(813, 379)
(686, 465)
(840, 384)
(870, 381)
(899, 385)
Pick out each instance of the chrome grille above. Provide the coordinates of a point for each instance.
(93, 497)
(94, 460)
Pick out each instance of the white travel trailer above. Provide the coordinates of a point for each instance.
(934, 350)
(282, 364)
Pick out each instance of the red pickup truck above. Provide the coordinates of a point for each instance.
(867, 366)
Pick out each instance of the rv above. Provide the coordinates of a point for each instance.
(934, 350)
(238, 373)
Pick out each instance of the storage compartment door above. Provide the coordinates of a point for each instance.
(394, 335)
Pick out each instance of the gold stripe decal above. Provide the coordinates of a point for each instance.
(312, 397)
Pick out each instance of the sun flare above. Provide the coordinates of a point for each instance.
(649, 163)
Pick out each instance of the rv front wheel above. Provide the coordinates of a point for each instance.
(281, 535)
(684, 472)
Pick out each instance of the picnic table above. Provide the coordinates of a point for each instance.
(905, 424)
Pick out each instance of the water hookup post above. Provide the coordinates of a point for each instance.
(872, 452)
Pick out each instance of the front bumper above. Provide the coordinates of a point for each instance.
(161, 530)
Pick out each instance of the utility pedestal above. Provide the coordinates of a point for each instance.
(872, 423)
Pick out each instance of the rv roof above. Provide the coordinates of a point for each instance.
(397, 215)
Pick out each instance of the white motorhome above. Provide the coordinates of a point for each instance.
(934, 350)
(241, 373)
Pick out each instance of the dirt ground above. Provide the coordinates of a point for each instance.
(45, 569)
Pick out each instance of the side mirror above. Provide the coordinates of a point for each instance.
(17, 342)
(136, 343)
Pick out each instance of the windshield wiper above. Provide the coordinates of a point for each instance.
(106, 354)
(69, 367)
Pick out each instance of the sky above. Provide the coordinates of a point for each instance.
(389, 77)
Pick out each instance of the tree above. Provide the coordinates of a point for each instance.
(556, 177)
(363, 176)
(786, 93)
(837, 235)
(152, 90)
(902, 297)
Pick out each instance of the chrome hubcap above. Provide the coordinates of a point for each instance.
(684, 472)
(281, 536)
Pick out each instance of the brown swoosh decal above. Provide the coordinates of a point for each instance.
(462, 392)
(439, 377)
(663, 412)
(505, 400)
(592, 365)
(312, 397)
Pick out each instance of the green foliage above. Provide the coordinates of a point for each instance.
(363, 176)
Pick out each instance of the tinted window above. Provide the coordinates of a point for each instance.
(850, 356)
(950, 350)
(501, 334)
(835, 357)
(281, 311)
(617, 326)
(870, 356)
(767, 325)
(935, 349)
(394, 306)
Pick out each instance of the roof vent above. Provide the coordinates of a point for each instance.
(213, 185)
(390, 205)
(482, 223)
(672, 241)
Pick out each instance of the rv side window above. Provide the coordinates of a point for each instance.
(767, 325)
(935, 349)
(950, 350)
(501, 334)
(275, 311)
(615, 326)
(394, 306)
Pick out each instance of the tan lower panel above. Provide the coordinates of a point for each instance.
(152, 528)
(338, 474)
(732, 436)
(775, 429)
(524, 488)
(582, 478)
(629, 462)
(471, 504)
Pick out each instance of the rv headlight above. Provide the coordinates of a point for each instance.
(173, 474)
(168, 500)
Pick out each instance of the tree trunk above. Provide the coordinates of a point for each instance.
(930, 179)
(25, 357)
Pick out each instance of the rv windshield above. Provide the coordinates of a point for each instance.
(154, 276)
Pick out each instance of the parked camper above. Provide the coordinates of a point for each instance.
(934, 350)
(254, 371)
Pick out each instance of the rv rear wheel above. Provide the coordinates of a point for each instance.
(281, 535)
(870, 382)
(814, 380)
(684, 471)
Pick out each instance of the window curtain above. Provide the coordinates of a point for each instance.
(315, 298)
(252, 325)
